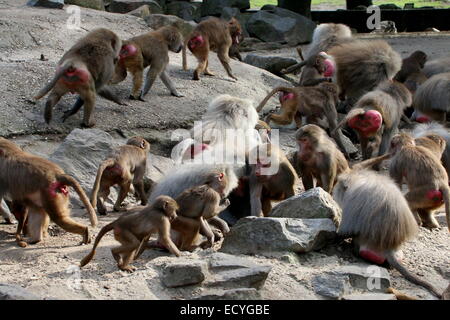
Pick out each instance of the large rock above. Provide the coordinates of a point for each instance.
(214, 7)
(58, 4)
(366, 277)
(92, 4)
(124, 6)
(156, 21)
(254, 44)
(272, 64)
(269, 236)
(141, 12)
(13, 292)
(331, 286)
(183, 10)
(311, 204)
(281, 26)
(183, 273)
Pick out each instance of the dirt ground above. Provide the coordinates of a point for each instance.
(48, 269)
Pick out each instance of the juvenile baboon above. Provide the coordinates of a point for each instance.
(317, 104)
(425, 176)
(39, 190)
(433, 142)
(133, 230)
(225, 115)
(149, 49)
(426, 129)
(413, 64)
(125, 166)
(376, 215)
(84, 69)
(432, 98)
(317, 157)
(376, 116)
(200, 204)
(212, 34)
(192, 175)
(361, 65)
(272, 177)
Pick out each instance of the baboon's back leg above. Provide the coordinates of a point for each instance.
(54, 97)
(127, 250)
(124, 189)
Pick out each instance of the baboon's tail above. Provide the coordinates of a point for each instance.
(370, 162)
(446, 195)
(99, 237)
(271, 93)
(105, 164)
(61, 70)
(70, 181)
(409, 276)
(399, 295)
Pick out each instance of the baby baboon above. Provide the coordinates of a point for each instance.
(43, 192)
(425, 176)
(191, 175)
(212, 34)
(434, 128)
(133, 230)
(84, 69)
(125, 166)
(413, 64)
(318, 157)
(200, 204)
(362, 65)
(317, 104)
(272, 177)
(433, 97)
(376, 116)
(149, 49)
(376, 215)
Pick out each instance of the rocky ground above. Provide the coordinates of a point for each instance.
(48, 269)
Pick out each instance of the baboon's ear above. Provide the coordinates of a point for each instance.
(143, 144)
(165, 203)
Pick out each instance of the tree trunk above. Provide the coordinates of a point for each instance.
(352, 4)
(302, 7)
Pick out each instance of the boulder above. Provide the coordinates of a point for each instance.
(156, 21)
(311, 204)
(183, 10)
(331, 286)
(272, 64)
(232, 294)
(214, 7)
(13, 292)
(270, 236)
(270, 28)
(183, 273)
(124, 6)
(141, 12)
(57, 4)
(92, 4)
(254, 44)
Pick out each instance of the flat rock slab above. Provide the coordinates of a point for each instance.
(366, 277)
(370, 296)
(252, 235)
(13, 292)
(231, 294)
(183, 273)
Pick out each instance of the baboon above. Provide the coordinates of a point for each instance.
(436, 66)
(149, 49)
(433, 142)
(191, 175)
(376, 215)
(362, 65)
(272, 177)
(413, 64)
(426, 129)
(317, 157)
(133, 230)
(84, 69)
(200, 204)
(225, 115)
(425, 176)
(432, 98)
(212, 34)
(376, 116)
(317, 104)
(319, 66)
(125, 166)
(42, 194)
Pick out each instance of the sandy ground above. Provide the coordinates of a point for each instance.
(49, 268)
